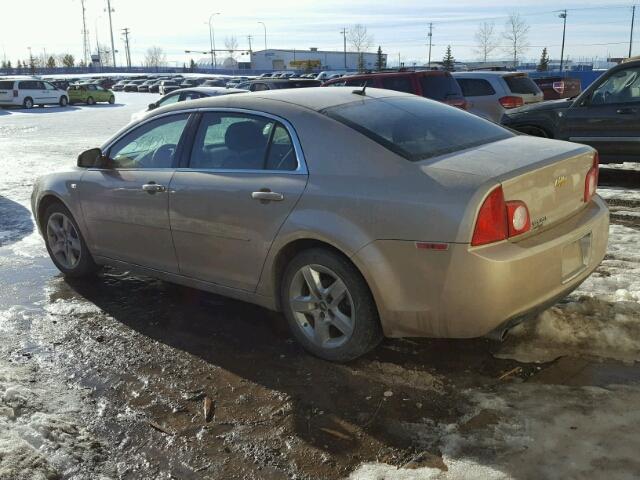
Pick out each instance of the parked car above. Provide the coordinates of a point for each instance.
(214, 82)
(557, 87)
(605, 116)
(278, 83)
(133, 85)
(89, 93)
(105, 83)
(186, 94)
(155, 86)
(324, 76)
(28, 92)
(285, 199)
(491, 94)
(437, 85)
(144, 86)
(119, 85)
(192, 82)
(167, 86)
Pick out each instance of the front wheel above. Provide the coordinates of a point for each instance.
(65, 243)
(112, 99)
(90, 101)
(329, 307)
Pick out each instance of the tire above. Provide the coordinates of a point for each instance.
(64, 101)
(112, 99)
(27, 103)
(65, 243)
(90, 101)
(350, 325)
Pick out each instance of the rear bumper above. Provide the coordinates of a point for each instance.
(466, 292)
(9, 103)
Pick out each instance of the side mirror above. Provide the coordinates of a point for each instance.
(90, 158)
(152, 106)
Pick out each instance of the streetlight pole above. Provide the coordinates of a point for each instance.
(633, 17)
(265, 34)
(430, 35)
(344, 35)
(212, 41)
(563, 15)
(113, 47)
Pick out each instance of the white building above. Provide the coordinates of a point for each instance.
(274, 59)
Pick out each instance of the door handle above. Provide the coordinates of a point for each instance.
(626, 111)
(153, 187)
(267, 196)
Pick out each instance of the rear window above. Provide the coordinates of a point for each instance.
(6, 85)
(521, 84)
(475, 87)
(440, 87)
(416, 128)
(399, 84)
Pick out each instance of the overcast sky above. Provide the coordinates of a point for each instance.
(594, 28)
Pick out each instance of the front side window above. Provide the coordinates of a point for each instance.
(152, 145)
(620, 87)
(415, 128)
(48, 86)
(168, 100)
(231, 141)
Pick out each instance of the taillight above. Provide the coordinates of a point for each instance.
(15, 93)
(498, 220)
(511, 101)
(591, 180)
(558, 87)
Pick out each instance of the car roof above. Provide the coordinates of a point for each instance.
(218, 90)
(313, 98)
(490, 74)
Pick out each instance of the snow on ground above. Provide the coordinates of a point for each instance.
(529, 431)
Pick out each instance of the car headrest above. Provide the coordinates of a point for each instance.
(243, 136)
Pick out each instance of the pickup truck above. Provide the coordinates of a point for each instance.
(555, 88)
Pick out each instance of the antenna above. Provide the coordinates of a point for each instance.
(363, 91)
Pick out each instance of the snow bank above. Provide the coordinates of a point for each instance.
(602, 317)
(530, 431)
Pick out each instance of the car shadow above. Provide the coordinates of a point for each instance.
(4, 111)
(255, 345)
(46, 109)
(15, 221)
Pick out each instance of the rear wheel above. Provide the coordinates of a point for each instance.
(329, 307)
(535, 131)
(90, 101)
(63, 101)
(28, 103)
(65, 243)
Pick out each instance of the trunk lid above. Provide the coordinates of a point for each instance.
(547, 175)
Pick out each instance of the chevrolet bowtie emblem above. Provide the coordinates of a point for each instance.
(561, 180)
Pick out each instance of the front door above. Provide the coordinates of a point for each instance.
(243, 178)
(609, 119)
(126, 205)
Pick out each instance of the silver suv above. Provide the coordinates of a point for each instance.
(490, 94)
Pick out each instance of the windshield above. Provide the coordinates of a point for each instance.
(416, 128)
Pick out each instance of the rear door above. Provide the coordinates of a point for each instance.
(609, 119)
(519, 84)
(245, 175)
(126, 206)
(6, 91)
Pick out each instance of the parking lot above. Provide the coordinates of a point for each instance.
(106, 379)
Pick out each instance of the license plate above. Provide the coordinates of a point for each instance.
(575, 257)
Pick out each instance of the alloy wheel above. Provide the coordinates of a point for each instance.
(322, 306)
(63, 240)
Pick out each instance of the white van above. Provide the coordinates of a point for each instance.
(28, 92)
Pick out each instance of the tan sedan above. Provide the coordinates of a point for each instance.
(356, 213)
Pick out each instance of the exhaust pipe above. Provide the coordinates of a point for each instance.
(498, 335)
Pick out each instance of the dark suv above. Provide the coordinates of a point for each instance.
(605, 116)
(276, 83)
(436, 85)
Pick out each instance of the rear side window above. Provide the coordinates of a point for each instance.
(475, 87)
(6, 85)
(415, 128)
(28, 85)
(440, 87)
(521, 84)
(399, 84)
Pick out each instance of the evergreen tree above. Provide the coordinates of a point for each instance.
(379, 59)
(51, 62)
(9, 67)
(448, 61)
(184, 67)
(68, 60)
(3, 66)
(19, 65)
(543, 65)
(192, 65)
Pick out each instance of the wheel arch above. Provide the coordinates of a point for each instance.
(45, 202)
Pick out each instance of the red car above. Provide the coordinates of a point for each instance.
(437, 85)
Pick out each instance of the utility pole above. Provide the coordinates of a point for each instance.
(249, 37)
(430, 35)
(344, 35)
(633, 17)
(212, 41)
(85, 35)
(127, 51)
(563, 15)
(113, 48)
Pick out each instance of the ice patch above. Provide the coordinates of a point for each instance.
(456, 470)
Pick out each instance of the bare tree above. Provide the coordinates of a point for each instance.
(515, 33)
(359, 39)
(231, 44)
(486, 40)
(155, 57)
